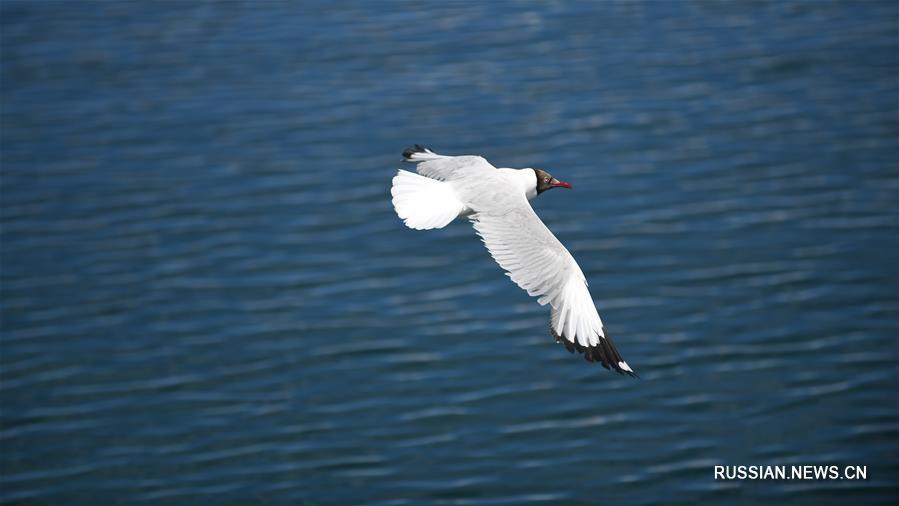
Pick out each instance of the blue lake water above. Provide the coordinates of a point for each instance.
(207, 297)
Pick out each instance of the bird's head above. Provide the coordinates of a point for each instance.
(545, 181)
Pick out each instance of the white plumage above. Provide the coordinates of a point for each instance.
(424, 203)
(496, 202)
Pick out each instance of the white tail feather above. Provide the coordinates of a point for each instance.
(423, 203)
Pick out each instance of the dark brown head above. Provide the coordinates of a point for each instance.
(545, 181)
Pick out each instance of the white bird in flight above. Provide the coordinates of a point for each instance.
(496, 202)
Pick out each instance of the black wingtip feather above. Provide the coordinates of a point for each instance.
(418, 148)
(604, 352)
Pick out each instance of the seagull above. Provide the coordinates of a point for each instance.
(496, 202)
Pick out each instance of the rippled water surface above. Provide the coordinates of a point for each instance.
(206, 295)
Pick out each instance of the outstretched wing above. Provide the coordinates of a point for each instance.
(537, 262)
(445, 168)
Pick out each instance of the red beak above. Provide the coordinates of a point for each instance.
(561, 184)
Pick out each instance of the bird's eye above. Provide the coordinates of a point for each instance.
(546, 180)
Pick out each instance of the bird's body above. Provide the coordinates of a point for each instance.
(496, 202)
